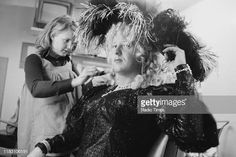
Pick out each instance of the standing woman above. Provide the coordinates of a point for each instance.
(51, 84)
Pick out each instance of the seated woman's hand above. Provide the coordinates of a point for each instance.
(37, 152)
(174, 55)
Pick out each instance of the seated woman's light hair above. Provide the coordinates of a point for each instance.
(136, 26)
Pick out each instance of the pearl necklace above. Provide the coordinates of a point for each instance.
(116, 88)
(122, 87)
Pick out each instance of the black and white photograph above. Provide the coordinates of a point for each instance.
(117, 78)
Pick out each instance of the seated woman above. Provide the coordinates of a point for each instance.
(105, 121)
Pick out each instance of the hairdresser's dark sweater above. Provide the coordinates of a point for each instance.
(38, 85)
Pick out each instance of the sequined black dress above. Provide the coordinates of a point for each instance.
(109, 126)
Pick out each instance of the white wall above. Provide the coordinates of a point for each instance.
(214, 22)
(15, 23)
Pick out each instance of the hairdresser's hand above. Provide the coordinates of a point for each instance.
(102, 80)
(174, 55)
(36, 153)
(84, 76)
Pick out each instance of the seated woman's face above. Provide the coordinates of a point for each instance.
(121, 50)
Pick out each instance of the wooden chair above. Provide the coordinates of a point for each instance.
(167, 148)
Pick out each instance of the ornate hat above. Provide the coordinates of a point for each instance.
(100, 15)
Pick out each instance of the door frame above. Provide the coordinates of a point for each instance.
(4, 66)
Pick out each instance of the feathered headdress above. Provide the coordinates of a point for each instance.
(100, 15)
(139, 21)
(169, 28)
(95, 21)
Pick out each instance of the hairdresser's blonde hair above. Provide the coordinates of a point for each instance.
(61, 23)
